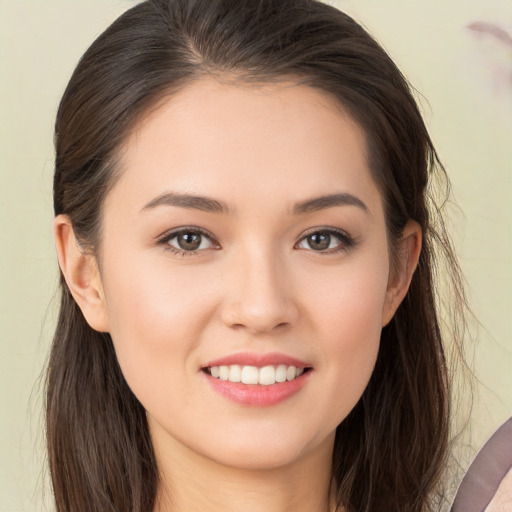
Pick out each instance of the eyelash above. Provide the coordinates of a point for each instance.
(346, 241)
(165, 239)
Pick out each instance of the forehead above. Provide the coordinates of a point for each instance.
(237, 140)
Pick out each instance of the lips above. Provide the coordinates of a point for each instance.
(258, 360)
(257, 379)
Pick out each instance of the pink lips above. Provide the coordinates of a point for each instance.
(260, 360)
(254, 394)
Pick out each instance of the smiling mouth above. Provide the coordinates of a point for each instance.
(253, 375)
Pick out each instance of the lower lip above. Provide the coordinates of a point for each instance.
(257, 395)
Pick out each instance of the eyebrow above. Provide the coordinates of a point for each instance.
(210, 205)
(188, 201)
(328, 201)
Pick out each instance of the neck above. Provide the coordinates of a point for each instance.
(190, 482)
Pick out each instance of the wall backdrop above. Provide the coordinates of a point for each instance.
(458, 55)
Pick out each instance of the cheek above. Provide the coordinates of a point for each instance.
(156, 319)
(349, 318)
(349, 302)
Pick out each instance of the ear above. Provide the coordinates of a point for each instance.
(81, 273)
(400, 278)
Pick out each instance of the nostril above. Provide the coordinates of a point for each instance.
(264, 319)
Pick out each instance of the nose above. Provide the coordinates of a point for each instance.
(259, 295)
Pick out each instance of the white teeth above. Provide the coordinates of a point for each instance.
(224, 372)
(281, 373)
(235, 373)
(250, 375)
(291, 373)
(265, 376)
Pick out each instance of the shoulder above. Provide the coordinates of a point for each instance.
(487, 484)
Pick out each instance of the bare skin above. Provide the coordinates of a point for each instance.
(193, 485)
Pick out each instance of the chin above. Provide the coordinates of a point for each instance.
(259, 452)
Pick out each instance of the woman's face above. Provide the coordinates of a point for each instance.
(245, 232)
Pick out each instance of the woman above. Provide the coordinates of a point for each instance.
(248, 316)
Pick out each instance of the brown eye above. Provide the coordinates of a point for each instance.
(327, 241)
(319, 241)
(189, 241)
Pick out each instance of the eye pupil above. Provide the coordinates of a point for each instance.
(189, 241)
(319, 241)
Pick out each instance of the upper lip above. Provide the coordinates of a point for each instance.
(258, 359)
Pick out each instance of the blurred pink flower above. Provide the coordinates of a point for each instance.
(493, 53)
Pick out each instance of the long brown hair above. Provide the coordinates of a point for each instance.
(390, 451)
